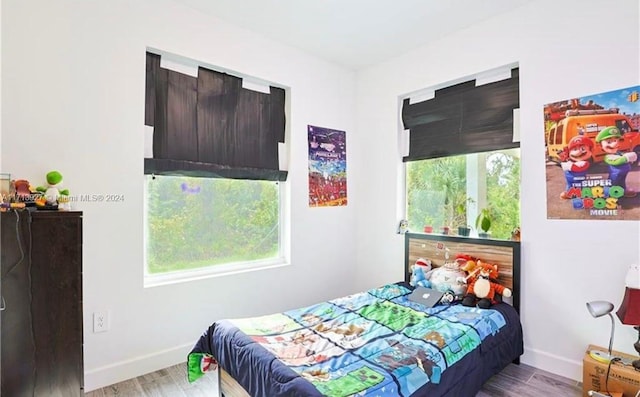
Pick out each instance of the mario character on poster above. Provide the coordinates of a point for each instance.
(327, 167)
(592, 146)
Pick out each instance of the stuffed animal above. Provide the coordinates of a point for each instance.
(515, 234)
(447, 279)
(52, 191)
(481, 291)
(419, 273)
(467, 263)
(403, 226)
(23, 189)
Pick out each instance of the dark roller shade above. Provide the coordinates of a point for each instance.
(217, 101)
(210, 170)
(210, 126)
(153, 66)
(463, 119)
(175, 130)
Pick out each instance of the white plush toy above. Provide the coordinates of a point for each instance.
(448, 278)
(633, 277)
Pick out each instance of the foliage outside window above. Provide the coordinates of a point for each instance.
(437, 193)
(196, 223)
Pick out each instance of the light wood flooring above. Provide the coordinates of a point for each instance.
(515, 380)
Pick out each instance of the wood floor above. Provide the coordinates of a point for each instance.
(516, 380)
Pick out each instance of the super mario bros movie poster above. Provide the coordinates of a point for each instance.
(592, 145)
(327, 167)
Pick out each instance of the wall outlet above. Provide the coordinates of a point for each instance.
(100, 321)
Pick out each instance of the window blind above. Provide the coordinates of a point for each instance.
(463, 119)
(210, 126)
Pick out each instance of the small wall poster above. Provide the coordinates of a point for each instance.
(327, 167)
(592, 145)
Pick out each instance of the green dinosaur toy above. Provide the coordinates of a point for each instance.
(52, 191)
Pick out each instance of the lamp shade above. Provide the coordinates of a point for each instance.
(599, 308)
(629, 311)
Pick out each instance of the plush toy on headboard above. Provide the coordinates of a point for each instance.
(448, 278)
(419, 273)
(467, 263)
(482, 290)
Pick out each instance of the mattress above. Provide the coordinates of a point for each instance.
(374, 343)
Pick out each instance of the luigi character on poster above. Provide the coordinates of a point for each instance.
(619, 163)
(592, 145)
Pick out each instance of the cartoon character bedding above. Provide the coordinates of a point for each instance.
(375, 343)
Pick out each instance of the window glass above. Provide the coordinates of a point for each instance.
(436, 192)
(623, 126)
(195, 223)
(448, 191)
(559, 131)
(552, 135)
(503, 192)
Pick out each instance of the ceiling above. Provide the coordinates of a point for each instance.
(354, 33)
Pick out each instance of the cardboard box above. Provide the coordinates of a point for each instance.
(622, 377)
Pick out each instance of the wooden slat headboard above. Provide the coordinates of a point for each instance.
(505, 254)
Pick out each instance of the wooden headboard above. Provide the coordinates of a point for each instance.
(505, 254)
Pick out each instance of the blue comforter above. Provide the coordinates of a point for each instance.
(375, 343)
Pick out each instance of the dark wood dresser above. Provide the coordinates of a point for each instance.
(41, 287)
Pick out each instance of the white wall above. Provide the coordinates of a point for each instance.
(564, 49)
(73, 76)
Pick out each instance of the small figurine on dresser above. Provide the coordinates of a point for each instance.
(53, 196)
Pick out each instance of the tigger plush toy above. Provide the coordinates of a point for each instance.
(481, 291)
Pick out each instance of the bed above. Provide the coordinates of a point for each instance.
(376, 342)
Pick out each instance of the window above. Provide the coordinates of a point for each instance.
(213, 173)
(463, 154)
(559, 135)
(450, 191)
(203, 225)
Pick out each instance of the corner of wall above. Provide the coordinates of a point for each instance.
(552, 363)
(128, 369)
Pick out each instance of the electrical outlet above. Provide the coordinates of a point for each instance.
(100, 321)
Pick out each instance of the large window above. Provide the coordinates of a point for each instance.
(211, 225)
(450, 191)
(213, 172)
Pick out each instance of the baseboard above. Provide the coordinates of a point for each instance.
(123, 370)
(551, 363)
